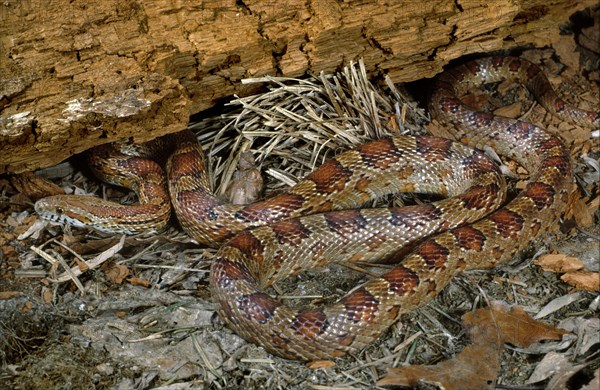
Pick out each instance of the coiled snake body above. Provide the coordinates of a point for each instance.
(301, 229)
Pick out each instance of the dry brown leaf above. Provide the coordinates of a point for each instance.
(583, 280)
(474, 368)
(47, 295)
(565, 48)
(26, 307)
(558, 263)
(583, 215)
(393, 120)
(573, 134)
(34, 186)
(20, 199)
(116, 273)
(574, 196)
(97, 261)
(516, 326)
(139, 282)
(9, 294)
(8, 251)
(93, 246)
(436, 128)
(320, 364)
(83, 266)
(477, 365)
(575, 274)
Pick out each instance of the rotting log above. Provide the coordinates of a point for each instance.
(74, 74)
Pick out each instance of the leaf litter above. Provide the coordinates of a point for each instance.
(477, 365)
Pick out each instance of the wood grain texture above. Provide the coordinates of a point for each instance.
(78, 74)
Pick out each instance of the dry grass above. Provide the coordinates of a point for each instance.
(298, 123)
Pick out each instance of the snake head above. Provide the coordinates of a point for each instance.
(62, 209)
(105, 216)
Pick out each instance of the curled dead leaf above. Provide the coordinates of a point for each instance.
(34, 186)
(26, 307)
(575, 274)
(9, 294)
(47, 295)
(477, 365)
(320, 364)
(83, 266)
(558, 263)
(515, 325)
(583, 280)
(116, 273)
(139, 282)
(583, 215)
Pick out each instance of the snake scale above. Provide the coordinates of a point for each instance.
(317, 222)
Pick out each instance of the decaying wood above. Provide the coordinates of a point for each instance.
(76, 74)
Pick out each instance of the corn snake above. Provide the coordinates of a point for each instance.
(250, 260)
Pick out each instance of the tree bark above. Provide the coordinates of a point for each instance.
(74, 74)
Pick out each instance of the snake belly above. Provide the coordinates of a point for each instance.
(316, 221)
